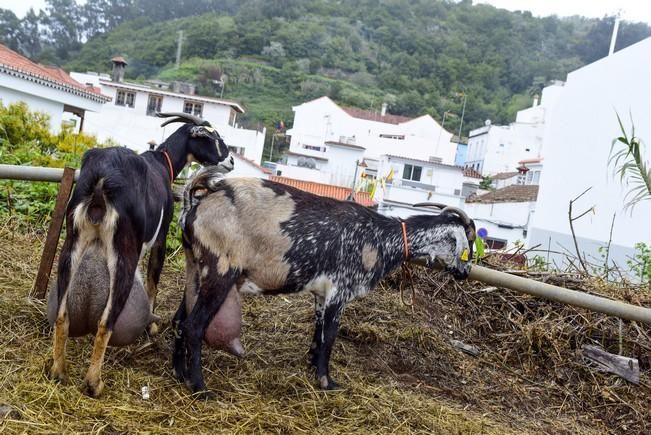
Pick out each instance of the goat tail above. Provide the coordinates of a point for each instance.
(97, 204)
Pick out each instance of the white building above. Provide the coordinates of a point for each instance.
(45, 89)
(328, 141)
(131, 120)
(505, 213)
(417, 181)
(577, 143)
(494, 149)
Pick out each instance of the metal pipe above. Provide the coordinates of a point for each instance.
(558, 294)
(32, 173)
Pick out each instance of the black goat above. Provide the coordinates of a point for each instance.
(124, 201)
(257, 236)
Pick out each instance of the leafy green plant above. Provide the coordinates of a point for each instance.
(640, 264)
(631, 166)
(25, 139)
(486, 183)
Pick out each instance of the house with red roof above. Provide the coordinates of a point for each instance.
(46, 89)
(134, 108)
(331, 143)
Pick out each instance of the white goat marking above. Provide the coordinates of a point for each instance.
(250, 288)
(150, 243)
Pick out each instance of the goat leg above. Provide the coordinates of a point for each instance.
(214, 288)
(178, 358)
(154, 269)
(331, 318)
(73, 249)
(318, 330)
(122, 269)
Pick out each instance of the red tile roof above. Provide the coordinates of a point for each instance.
(15, 64)
(504, 175)
(374, 116)
(328, 190)
(530, 161)
(512, 193)
(472, 173)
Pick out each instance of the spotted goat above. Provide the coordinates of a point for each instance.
(245, 235)
(121, 207)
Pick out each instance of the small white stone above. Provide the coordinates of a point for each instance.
(145, 392)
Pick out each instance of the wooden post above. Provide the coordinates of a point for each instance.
(52, 239)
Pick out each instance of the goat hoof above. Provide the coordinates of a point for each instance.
(327, 383)
(93, 389)
(59, 375)
(153, 329)
(204, 395)
(179, 374)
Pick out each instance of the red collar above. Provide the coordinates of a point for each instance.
(169, 165)
(404, 238)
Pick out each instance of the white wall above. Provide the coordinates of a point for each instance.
(321, 120)
(504, 220)
(133, 128)
(443, 179)
(36, 104)
(499, 148)
(341, 164)
(41, 98)
(577, 145)
(299, 173)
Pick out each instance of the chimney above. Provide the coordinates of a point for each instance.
(384, 109)
(119, 66)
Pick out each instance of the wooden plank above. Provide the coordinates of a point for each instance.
(624, 367)
(53, 232)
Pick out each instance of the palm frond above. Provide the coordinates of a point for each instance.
(629, 164)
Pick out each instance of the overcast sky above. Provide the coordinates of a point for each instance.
(632, 10)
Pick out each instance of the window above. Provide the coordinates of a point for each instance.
(124, 98)
(495, 243)
(236, 150)
(193, 108)
(154, 104)
(231, 118)
(457, 192)
(411, 172)
(313, 148)
(393, 136)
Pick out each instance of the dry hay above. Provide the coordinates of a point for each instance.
(399, 371)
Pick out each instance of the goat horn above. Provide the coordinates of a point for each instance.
(184, 117)
(430, 204)
(462, 214)
(171, 120)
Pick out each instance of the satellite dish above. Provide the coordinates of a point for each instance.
(310, 163)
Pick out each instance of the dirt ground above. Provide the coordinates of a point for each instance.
(397, 367)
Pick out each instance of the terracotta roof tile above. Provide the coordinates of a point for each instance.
(328, 190)
(16, 64)
(512, 193)
(472, 173)
(374, 116)
(504, 175)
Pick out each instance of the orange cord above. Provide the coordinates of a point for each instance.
(404, 238)
(169, 165)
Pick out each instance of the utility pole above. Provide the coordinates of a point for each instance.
(463, 111)
(438, 141)
(179, 46)
(613, 38)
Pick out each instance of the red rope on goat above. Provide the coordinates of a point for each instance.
(169, 165)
